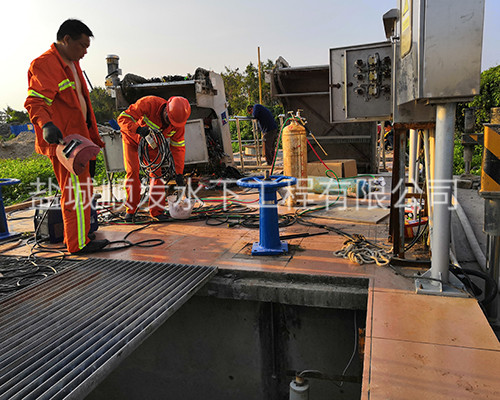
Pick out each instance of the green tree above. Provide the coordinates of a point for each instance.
(242, 88)
(236, 95)
(488, 98)
(16, 117)
(103, 105)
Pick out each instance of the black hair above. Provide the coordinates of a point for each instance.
(74, 28)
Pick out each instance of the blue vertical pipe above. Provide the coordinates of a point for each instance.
(269, 237)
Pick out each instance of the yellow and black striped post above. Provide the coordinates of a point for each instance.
(490, 174)
(490, 191)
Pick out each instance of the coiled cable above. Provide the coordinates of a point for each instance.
(152, 160)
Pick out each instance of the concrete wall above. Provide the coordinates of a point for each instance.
(229, 349)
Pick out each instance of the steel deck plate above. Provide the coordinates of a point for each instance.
(61, 338)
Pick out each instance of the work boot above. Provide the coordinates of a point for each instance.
(129, 218)
(161, 217)
(93, 246)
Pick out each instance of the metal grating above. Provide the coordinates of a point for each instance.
(60, 339)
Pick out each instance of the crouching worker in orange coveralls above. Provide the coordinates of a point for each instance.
(168, 116)
(58, 104)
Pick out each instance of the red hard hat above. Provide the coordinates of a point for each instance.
(178, 110)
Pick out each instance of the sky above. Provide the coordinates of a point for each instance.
(164, 37)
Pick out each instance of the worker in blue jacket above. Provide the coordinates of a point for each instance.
(269, 129)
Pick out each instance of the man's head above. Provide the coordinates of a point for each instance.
(73, 39)
(177, 111)
(250, 109)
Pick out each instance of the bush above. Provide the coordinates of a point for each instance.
(36, 175)
(29, 171)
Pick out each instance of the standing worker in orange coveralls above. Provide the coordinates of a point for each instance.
(58, 104)
(168, 116)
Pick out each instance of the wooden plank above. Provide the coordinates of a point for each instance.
(20, 206)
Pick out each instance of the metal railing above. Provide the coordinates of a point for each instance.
(256, 140)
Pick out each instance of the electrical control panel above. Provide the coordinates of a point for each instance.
(439, 58)
(361, 82)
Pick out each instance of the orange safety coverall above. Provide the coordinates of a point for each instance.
(147, 111)
(52, 97)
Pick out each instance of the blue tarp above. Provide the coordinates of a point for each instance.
(17, 129)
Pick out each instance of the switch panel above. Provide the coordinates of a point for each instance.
(360, 82)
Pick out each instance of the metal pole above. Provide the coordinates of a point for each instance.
(412, 167)
(469, 121)
(396, 222)
(432, 158)
(443, 181)
(428, 182)
(492, 267)
(256, 141)
(382, 144)
(242, 162)
(417, 169)
(260, 80)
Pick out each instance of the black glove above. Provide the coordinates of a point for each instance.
(142, 131)
(179, 180)
(51, 133)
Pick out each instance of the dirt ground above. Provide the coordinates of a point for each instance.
(20, 147)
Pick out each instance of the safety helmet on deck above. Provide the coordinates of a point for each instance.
(178, 111)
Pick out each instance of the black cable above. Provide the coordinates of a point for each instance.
(493, 286)
(127, 243)
(163, 158)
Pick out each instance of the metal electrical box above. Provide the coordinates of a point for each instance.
(113, 149)
(440, 50)
(196, 148)
(361, 82)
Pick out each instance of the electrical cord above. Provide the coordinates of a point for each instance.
(420, 231)
(27, 270)
(125, 244)
(313, 373)
(463, 275)
(353, 350)
(394, 266)
(162, 160)
(356, 248)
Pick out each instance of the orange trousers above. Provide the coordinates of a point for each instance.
(157, 197)
(76, 200)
